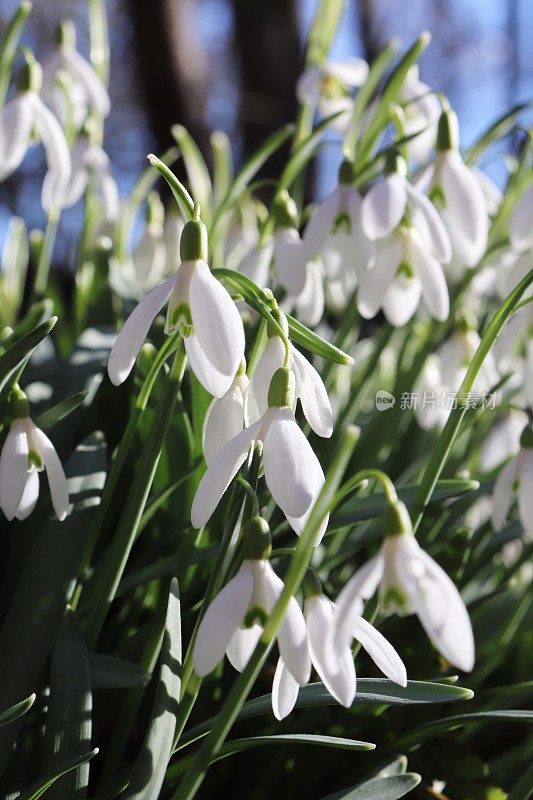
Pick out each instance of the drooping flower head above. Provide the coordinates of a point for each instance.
(516, 477)
(26, 452)
(330, 85)
(199, 309)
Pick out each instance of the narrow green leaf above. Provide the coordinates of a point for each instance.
(325, 24)
(238, 745)
(436, 727)
(42, 786)
(18, 352)
(49, 418)
(523, 789)
(9, 45)
(197, 172)
(181, 195)
(303, 153)
(313, 342)
(222, 165)
(16, 711)
(495, 131)
(389, 788)
(149, 771)
(108, 672)
(68, 720)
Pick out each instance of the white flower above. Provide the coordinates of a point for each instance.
(26, 452)
(503, 441)
(234, 621)
(89, 160)
(289, 260)
(422, 110)
(200, 308)
(256, 263)
(309, 303)
(293, 473)
(334, 232)
(329, 86)
(225, 417)
(24, 115)
(410, 581)
(517, 475)
(456, 192)
(88, 92)
(335, 668)
(310, 389)
(492, 193)
(521, 221)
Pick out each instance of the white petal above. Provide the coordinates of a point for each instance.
(525, 490)
(443, 614)
(29, 496)
(313, 396)
(320, 224)
(284, 691)
(289, 260)
(224, 419)
(221, 620)
(380, 651)
(402, 300)
(308, 85)
(255, 264)
(220, 473)
(465, 209)
(56, 181)
(288, 459)
(350, 71)
(521, 221)
(383, 207)
(54, 472)
(79, 175)
(16, 122)
(361, 586)
(217, 322)
(427, 221)
(135, 330)
(242, 645)
(215, 382)
(373, 283)
(13, 469)
(292, 633)
(434, 286)
(310, 302)
(271, 359)
(336, 673)
(493, 194)
(85, 74)
(502, 493)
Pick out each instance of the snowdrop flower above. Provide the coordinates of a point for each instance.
(199, 308)
(234, 621)
(288, 257)
(226, 416)
(335, 669)
(26, 452)
(521, 221)
(517, 475)
(310, 389)
(412, 245)
(329, 87)
(492, 193)
(422, 110)
(409, 581)
(89, 94)
(503, 441)
(89, 161)
(292, 471)
(444, 371)
(24, 115)
(334, 231)
(145, 268)
(456, 192)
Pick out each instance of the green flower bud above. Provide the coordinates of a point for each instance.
(193, 242)
(396, 520)
(282, 389)
(65, 35)
(465, 321)
(285, 211)
(281, 319)
(311, 585)
(447, 132)
(256, 539)
(18, 403)
(30, 77)
(346, 172)
(394, 162)
(526, 439)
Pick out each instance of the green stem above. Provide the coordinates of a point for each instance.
(449, 432)
(363, 475)
(99, 39)
(298, 567)
(108, 579)
(45, 255)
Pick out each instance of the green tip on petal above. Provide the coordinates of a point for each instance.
(256, 540)
(396, 520)
(282, 389)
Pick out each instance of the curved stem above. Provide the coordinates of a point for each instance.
(363, 475)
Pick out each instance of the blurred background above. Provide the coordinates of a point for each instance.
(233, 64)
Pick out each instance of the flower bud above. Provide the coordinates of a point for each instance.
(395, 163)
(346, 172)
(281, 319)
(311, 585)
(65, 35)
(30, 77)
(396, 519)
(18, 403)
(526, 439)
(465, 321)
(447, 132)
(193, 242)
(256, 540)
(282, 389)
(285, 211)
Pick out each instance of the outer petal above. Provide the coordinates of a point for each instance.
(466, 208)
(271, 359)
(383, 207)
(217, 322)
(135, 331)
(401, 300)
(55, 184)
(350, 71)
(220, 473)
(289, 260)
(443, 614)
(313, 396)
(525, 490)
(434, 286)
(242, 645)
(361, 586)
(375, 282)
(79, 175)
(521, 221)
(429, 224)
(502, 494)
(284, 691)
(13, 469)
(55, 473)
(30, 495)
(310, 302)
(337, 673)
(213, 380)
(221, 620)
(320, 224)
(380, 651)
(93, 86)
(292, 633)
(16, 122)
(308, 85)
(223, 421)
(288, 459)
